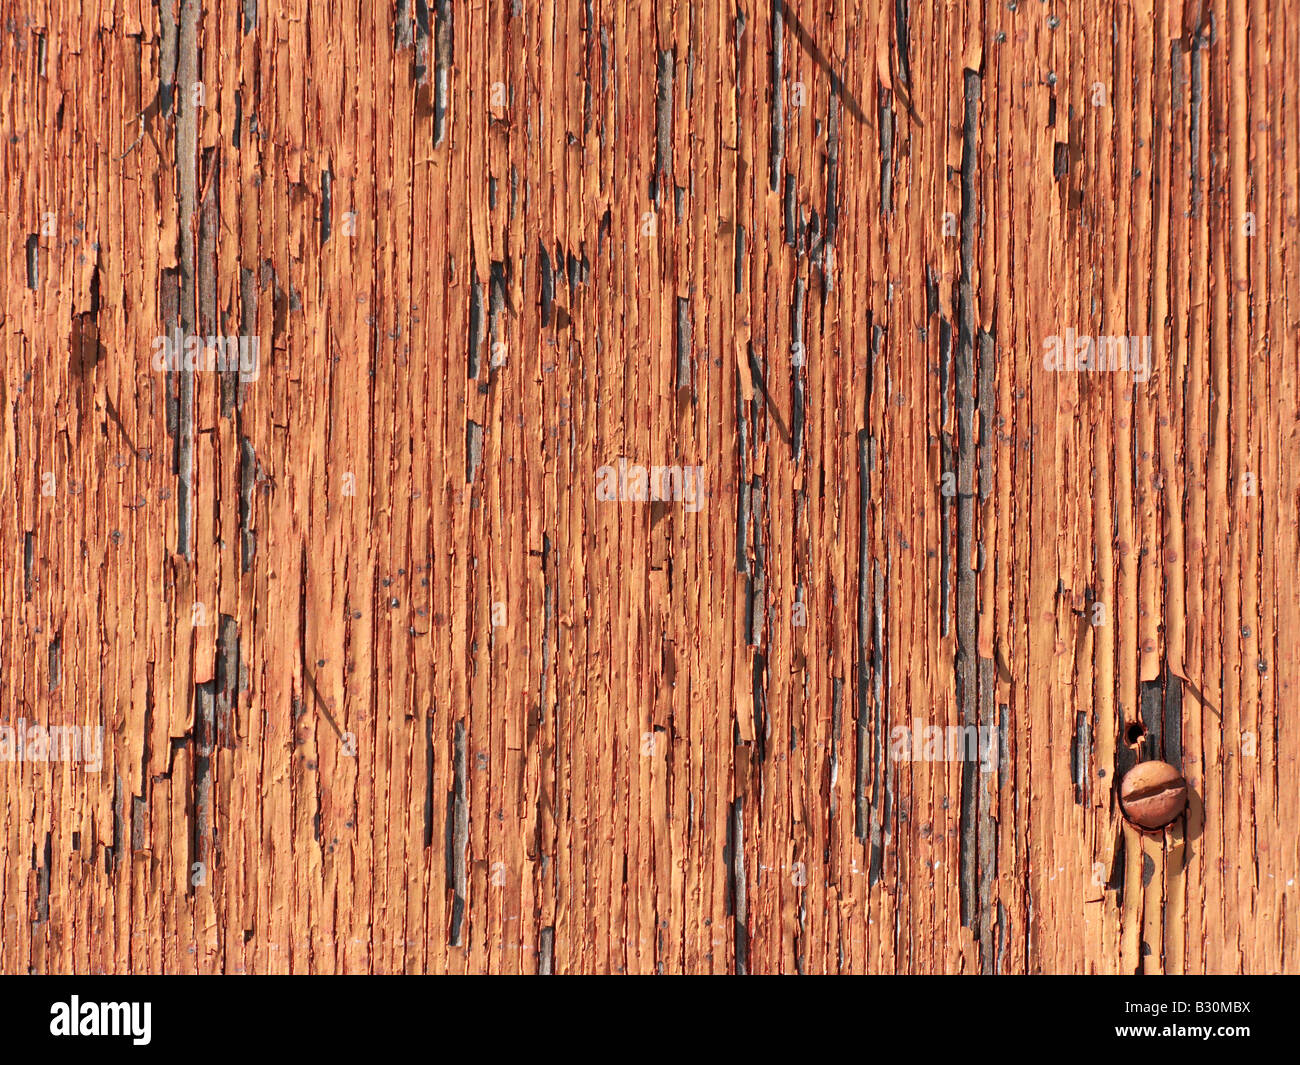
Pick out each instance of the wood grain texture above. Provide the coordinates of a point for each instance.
(387, 686)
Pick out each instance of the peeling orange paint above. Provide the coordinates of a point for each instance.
(385, 686)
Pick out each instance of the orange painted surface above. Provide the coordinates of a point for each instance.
(390, 666)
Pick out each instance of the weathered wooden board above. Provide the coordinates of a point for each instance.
(388, 682)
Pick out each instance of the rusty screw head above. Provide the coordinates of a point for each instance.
(1153, 794)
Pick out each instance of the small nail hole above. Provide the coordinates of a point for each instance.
(1135, 733)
